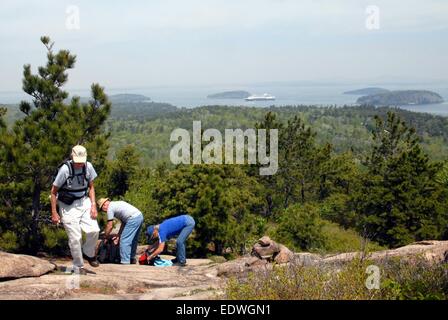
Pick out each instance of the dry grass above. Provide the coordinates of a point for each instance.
(398, 280)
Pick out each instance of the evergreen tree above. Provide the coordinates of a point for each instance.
(269, 182)
(118, 174)
(32, 150)
(2, 121)
(220, 198)
(300, 227)
(305, 169)
(399, 199)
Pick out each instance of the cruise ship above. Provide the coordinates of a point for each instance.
(264, 97)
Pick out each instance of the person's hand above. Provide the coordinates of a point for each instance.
(93, 212)
(55, 218)
(116, 239)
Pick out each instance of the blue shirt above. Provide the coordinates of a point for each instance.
(171, 227)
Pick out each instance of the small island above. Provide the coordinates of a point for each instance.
(230, 95)
(367, 91)
(128, 98)
(401, 97)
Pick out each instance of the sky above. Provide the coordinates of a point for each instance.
(141, 43)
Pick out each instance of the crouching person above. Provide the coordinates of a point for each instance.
(74, 192)
(180, 226)
(131, 223)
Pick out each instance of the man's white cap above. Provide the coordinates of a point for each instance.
(79, 154)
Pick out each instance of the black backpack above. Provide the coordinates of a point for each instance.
(108, 252)
(64, 194)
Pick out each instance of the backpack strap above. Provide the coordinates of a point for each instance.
(71, 175)
(71, 169)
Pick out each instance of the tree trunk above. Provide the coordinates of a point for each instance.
(302, 190)
(35, 215)
(219, 248)
(270, 206)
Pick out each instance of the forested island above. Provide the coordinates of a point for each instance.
(128, 98)
(229, 95)
(401, 97)
(367, 91)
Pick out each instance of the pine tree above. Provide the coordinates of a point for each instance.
(304, 170)
(118, 173)
(35, 146)
(2, 121)
(399, 200)
(220, 198)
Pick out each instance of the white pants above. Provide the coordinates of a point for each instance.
(76, 218)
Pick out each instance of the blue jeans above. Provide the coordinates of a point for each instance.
(129, 238)
(183, 235)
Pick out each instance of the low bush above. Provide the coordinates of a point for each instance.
(402, 280)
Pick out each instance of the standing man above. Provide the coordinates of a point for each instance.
(131, 224)
(74, 192)
(180, 226)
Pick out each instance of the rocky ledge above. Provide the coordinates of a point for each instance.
(267, 253)
(26, 277)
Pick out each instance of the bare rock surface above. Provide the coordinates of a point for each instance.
(432, 251)
(14, 266)
(35, 278)
(198, 280)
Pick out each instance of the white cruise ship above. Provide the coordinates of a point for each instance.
(264, 97)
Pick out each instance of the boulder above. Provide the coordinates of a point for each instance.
(266, 248)
(284, 255)
(265, 252)
(307, 258)
(265, 241)
(14, 266)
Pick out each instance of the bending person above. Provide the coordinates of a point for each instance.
(131, 223)
(180, 226)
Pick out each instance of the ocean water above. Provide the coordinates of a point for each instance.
(285, 93)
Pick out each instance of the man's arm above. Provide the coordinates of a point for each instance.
(109, 227)
(55, 218)
(116, 237)
(158, 251)
(93, 212)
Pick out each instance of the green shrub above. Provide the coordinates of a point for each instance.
(339, 240)
(8, 241)
(54, 240)
(336, 209)
(217, 259)
(416, 281)
(300, 228)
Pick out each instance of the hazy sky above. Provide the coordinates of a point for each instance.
(124, 44)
